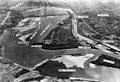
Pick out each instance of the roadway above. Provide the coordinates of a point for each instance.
(97, 43)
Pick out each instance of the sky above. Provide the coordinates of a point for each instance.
(66, 1)
(75, 3)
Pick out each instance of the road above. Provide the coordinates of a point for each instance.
(90, 41)
(77, 35)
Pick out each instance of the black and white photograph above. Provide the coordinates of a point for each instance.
(59, 40)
